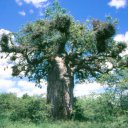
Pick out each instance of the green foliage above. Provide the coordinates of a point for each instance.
(99, 111)
(118, 123)
(124, 102)
(63, 23)
(32, 109)
(117, 87)
(7, 103)
(78, 110)
(55, 10)
(27, 108)
(100, 108)
(91, 109)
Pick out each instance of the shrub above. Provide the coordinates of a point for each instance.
(32, 109)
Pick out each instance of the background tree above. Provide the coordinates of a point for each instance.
(59, 48)
(117, 89)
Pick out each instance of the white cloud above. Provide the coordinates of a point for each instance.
(22, 13)
(5, 74)
(19, 2)
(87, 88)
(123, 38)
(23, 87)
(3, 31)
(36, 3)
(5, 84)
(117, 3)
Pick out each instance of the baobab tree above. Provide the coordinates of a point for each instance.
(58, 49)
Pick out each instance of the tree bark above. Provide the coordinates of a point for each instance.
(60, 89)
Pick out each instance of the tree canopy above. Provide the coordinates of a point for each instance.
(85, 47)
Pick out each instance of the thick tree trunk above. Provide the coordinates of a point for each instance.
(60, 89)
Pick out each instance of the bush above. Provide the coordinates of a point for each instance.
(96, 108)
(32, 109)
(124, 102)
(7, 104)
(103, 108)
(78, 110)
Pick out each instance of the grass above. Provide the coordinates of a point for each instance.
(5, 123)
(117, 122)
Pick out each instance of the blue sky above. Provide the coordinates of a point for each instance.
(15, 13)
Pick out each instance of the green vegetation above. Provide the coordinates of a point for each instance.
(99, 111)
(118, 123)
